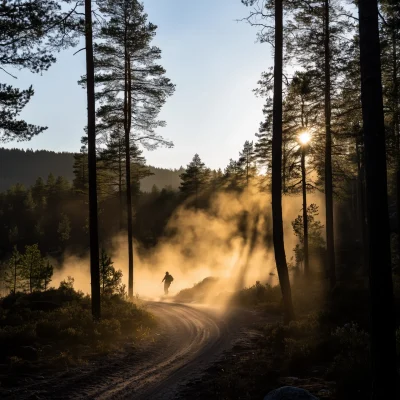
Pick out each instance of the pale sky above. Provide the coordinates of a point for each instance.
(214, 62)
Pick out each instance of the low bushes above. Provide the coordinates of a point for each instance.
(43, 328)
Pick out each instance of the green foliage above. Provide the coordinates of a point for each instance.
(30, 34)
(64, 228)
(67, 285)
(315, 229)
(110, 279)
(27, 271)
(12, 273)
(259, 294)
(351, 365)
(195, 178)
(32, 268)
(63, 335)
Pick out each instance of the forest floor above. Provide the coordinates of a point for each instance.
(186, 341)
(239, 352)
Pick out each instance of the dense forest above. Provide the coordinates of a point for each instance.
(25, 166)
(302, 226)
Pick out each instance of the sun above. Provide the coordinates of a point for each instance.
(304, 137)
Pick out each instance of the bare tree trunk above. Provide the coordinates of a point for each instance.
(396, 129)
(279, 247)
(31, 278)
(305, 216)
(15, 275)
(328, 152)
(362, 208)
(383, 328)
(121, 200)
(93, 217)
(127, 126)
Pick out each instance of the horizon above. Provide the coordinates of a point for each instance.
(204, 53)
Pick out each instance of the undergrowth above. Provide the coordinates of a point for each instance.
(54, 330)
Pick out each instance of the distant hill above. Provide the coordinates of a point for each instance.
(25, 166)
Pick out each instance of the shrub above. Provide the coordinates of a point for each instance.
(258, 294)
(351, 365)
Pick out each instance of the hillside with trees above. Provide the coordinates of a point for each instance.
(25, 166)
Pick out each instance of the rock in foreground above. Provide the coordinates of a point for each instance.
(290, 393)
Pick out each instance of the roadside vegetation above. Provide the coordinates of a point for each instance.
(326, 350)
(48, 331)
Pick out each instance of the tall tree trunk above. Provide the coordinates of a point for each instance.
(127, 126)
(31, 278)
(247, 174)
(362, 208)
(93, 217)
(15, 276)
(330, 243)
(396, 129)
(305, 216)
(120, 194)
(383, 328)
(279, 247)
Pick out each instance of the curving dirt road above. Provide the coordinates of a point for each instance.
(189, 339)
(192, 339)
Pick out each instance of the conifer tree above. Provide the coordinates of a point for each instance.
(383, 325)
(30, 33)
(233, 175)
(268, 10)
(247, 162)
(194, 178)
(132, 86)
(32, 267)
(110, 278)
(91, 135)
(12, 278)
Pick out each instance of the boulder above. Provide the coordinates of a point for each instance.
(290, 393)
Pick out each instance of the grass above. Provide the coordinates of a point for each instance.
(54, 330)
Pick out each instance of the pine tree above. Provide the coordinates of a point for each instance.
(194, 178)
(316, 30)
(247, 163)
(64, 228)
(315, 229)
(390, 56)
(91, 134)
(263, 145)
(133, 87)
(383, 326)
(279, 247)
(268, 10)
(233, 174)
(112, 171)
(12, 278)
(110, 279)
(81, 171)
(30, 32)
(32, 266)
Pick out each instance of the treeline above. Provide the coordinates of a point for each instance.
(25, 166)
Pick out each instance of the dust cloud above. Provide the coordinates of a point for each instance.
(231, 240)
